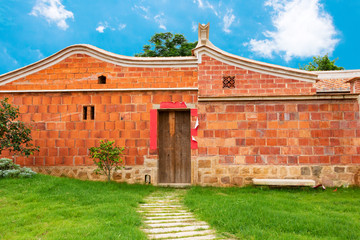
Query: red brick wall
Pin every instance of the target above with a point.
(248, 83)
(64, 137)
(297, 132)
(80, 71)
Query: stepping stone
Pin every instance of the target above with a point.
(166, 218)
(169, 214)
(182, 234)
(174, 224)
(198, 238)
(176, 229)
(187, 220)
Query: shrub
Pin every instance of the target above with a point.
(15, 136)
(8, 169)
(106, 157)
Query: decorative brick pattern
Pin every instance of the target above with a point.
(248, 83)
(229, 82)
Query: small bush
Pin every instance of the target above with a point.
(107, 158)
(8, 169)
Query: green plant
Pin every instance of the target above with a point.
(15, 136)
(8, 169)
(321, 64)
(106, 157)
(167, 45)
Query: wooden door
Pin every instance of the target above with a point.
(174, 147)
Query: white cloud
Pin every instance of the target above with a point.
(36, 53)
(200, 3)
(142, 10)
(228, 19)
(121, 26)
(303, 29)
(102, 26)
(206, 4)
(159, 19)
(148, 15)
(194, 26)
(53, 11)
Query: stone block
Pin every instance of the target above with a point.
(237, 181)
(220, 170)
(82, 175)
(283, 171)
(305, 171)
(339, 169)
(204, 164)
(256, 170)
(245, 170)
(210, 179)
(351, 169)
(225, 180)
(316, 170)
(117, 176)
(233, 170)
(294, 171)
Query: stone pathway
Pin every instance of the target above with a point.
(165, 217)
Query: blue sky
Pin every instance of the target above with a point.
(284, 32)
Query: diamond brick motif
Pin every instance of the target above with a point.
(228, 81)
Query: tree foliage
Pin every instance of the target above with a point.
(167, 45)
(321, 64)
(106, 157)
(15, 136)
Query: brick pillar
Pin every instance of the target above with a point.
(354, 85)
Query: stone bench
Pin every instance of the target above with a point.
(284, 182)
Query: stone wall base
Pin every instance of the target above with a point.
(211, 173)
(208, 173)
(133, 174)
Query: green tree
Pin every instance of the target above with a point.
(321, 64)
(106, 157)
(15, 136)
(167, 45)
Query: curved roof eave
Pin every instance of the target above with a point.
(254, 65)
(156, 62)
(338, 74)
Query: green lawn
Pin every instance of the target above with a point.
(255, 213)
(46, 207)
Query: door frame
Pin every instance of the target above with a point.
(193, 128)
(187, 110)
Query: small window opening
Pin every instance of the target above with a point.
(228, 81)
(92, 112)
(85, 112)
(88, 112)
(102, 79)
